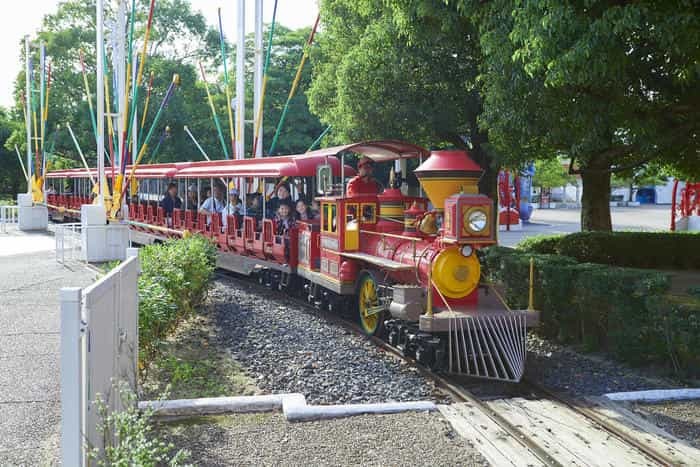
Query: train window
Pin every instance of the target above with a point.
(350, 212)
(329, 217)
(369, 213)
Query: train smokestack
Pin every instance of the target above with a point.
(446, 173)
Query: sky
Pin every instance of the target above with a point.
(16, 22)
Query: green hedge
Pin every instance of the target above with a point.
(624, 311)
(649, 250)
(174, 281)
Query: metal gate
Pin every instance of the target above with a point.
(99, 351)
(68, 241)
(8, 215)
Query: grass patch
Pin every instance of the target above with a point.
(191, 364)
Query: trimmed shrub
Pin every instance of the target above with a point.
(648, 250)
(543, 244)
(624, 311)
(174, 281)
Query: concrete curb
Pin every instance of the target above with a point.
(655, 395)
(292, 405)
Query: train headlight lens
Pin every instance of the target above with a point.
(477, 220)
(466, 250)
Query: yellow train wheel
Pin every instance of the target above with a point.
(367, 301)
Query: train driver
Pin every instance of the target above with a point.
(364, 183)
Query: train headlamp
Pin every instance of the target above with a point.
(466, 250)
(477, 220)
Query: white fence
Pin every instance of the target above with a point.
(8, 215)
(99, 349)
(68, 241)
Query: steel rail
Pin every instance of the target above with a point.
(590, 414)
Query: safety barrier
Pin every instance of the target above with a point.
(99, 352)
(68, 241)
(8, 215)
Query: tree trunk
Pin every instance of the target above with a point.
(595, 200)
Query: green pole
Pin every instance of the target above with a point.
(320, 137)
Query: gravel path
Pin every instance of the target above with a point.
(409, 439)
(558, 367)
(680, 418)
(288, 348)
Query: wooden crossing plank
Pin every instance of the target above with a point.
(646, 432)
(569, 437)
(492, 441)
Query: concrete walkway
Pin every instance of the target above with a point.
(30, 280)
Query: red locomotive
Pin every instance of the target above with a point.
(405, 265)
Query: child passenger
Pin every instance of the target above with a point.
(284, 220)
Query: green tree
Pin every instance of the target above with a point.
(11, 176)
(612, 85)
(382, 70)
(549, 173)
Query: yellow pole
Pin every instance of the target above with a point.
(429, 302)
(531, 298)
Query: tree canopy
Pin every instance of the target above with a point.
(180, 38)
(610, 85)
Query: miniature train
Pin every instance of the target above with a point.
(405, 265)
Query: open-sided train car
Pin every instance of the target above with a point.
(407, 266)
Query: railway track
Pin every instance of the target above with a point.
(463, 390)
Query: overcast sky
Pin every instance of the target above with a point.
(25, 18)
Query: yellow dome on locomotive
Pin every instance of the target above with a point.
(454, 274)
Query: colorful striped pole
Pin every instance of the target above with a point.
(125, 110)
(80, 152)
(213, 112)
(295, 84)
(259, 115)
(21, 164)
(196, 143)
(139, 75)
(228, 88)
(148, 99)
(163, 137)
(320, 137)
(88, 95)
(163, 105)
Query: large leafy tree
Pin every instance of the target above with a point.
(379, 74)
(612, 85)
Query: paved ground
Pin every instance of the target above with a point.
(554, 221)
(30, 280)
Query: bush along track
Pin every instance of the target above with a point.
(624, 311)
(648, 250)
(174, 281)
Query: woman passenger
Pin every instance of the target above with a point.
(303, 213)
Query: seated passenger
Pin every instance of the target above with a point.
(282, 196)
(233, 208)
(253, 208)
(170, 202)
(191, 201)
(284, 220)
(303, 213)
(364, 183)
(213, 204)
(315, 209)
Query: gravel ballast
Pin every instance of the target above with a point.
(681, 419)
(267, 439)
(286, 347)
(560, 368)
